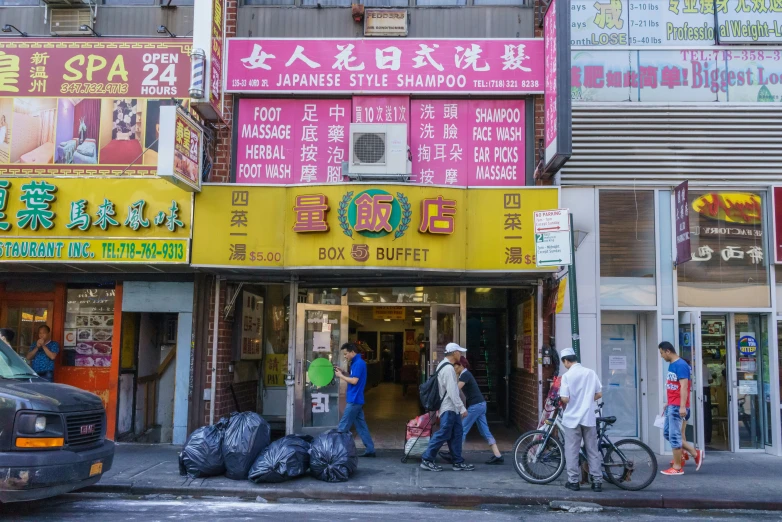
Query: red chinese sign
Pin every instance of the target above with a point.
(216, 59)
(286, 142)
(187, 149)
(488, 66)
(96, 68)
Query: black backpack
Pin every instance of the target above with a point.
(430, 391)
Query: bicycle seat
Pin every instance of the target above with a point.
(607, 420)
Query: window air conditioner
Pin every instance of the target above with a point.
(66, 22)
(379, 151)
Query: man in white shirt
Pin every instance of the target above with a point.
(579, 390)
(451, 413)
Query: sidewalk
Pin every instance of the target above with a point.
(726, 481)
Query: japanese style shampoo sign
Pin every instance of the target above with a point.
(86, 107)
(93, 220)
(487, 66)
(368, 226)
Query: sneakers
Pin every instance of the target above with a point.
(673, 471)
(463, 467)
(685, 458)
(446, 456)
(368, 455)
(573, 486)
(699, 459)
(430, 466)
(597, 487)
(496, 461)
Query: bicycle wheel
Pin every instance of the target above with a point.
(631, 466)
(536, 462)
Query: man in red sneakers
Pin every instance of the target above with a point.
(677, 386)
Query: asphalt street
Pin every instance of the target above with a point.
(166, 508)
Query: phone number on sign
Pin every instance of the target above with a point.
(144, 251)
(94, 88)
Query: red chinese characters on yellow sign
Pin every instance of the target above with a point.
(373, 213)
(310, 212)
(437, 215)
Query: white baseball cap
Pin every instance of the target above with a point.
(566, 351)
(453, 347)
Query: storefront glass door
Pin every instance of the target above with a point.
(750, 380)
(714, 382)
(320, 396)
(692, 346)
(24, 318)
(443, 329)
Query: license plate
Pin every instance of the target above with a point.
(96, 469)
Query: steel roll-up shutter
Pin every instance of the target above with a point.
(650, 144)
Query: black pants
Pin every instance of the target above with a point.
(707, 414)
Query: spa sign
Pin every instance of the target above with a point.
(95, 220)
(86, 107)
(360, 226)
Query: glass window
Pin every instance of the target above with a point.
(269, 2)
(405, 294)
(729, 265)
(751, 349)
(275, 359)
(627, 254)
(620, 377)
(89, 327)
(440, 2)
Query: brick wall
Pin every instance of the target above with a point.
(524, 400)
(224, 403)
(247, 395)
(221, 167)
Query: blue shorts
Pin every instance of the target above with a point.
(673, 426)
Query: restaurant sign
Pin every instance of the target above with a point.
(355, 226)
(93, 220)
(383, 65)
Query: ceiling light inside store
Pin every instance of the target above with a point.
(417, 311)
(387, 320)
(482, 290)
(417, 319)
(419, 288)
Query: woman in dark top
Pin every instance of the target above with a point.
(476, 410)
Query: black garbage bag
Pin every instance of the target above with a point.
(283, 459)
(202, 455)
(245, 438)
(333, 456)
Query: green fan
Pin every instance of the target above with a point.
(321, 372)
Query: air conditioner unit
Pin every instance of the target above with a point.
(379, 151)
(66, 22)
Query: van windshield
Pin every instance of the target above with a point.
(12, 366)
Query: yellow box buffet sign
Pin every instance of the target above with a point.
(363, 226)
(93, 220)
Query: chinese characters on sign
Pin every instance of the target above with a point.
(468, 143)
(381, 109)
(252, 326)
(292, 141)
(216, 58)
(550, 57)
(512, 230)
(688, 75)
(736, 235)
(180, 148)
(682, 221)
(57, 220)
(86, 108)
(674, 22)
(385, 65)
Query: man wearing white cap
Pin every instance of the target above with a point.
(451, 413)
(579, 390)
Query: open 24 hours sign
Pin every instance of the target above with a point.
(44, 220)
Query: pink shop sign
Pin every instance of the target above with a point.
(292, 142)
(447, 66)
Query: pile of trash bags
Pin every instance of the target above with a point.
(239, 446)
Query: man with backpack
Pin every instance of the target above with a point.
(450, 410)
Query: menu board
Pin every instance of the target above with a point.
(89, 327)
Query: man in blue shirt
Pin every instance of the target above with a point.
(354, 410)
(42, 353)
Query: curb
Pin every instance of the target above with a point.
(438, 496)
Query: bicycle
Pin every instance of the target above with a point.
(539, 456)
